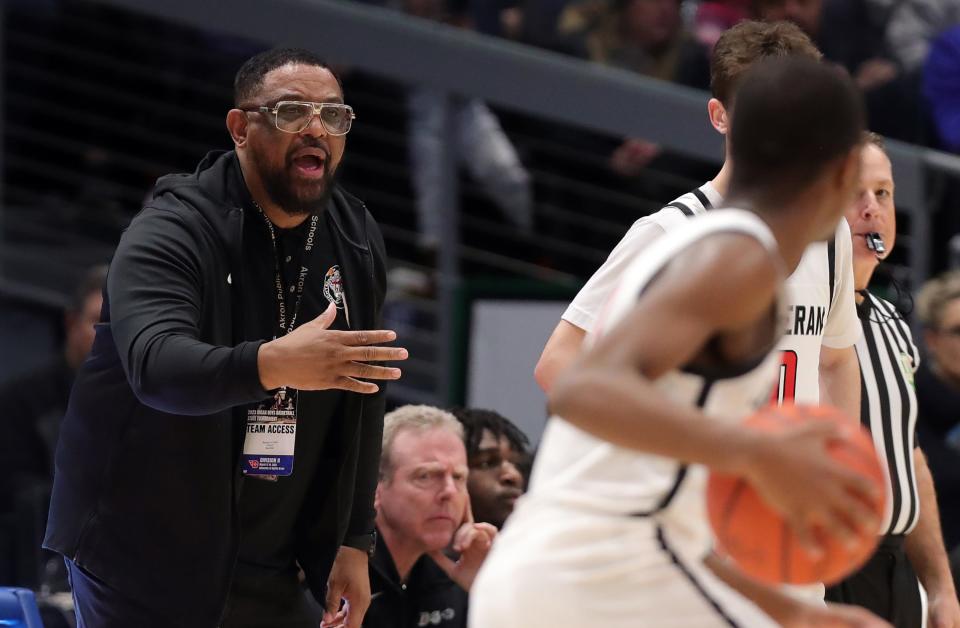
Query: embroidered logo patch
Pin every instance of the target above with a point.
(333, 287)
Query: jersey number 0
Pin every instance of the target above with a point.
(786, 388)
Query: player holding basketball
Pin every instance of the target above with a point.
(819, 362)
(614, 526)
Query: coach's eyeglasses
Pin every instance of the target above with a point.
(292, 116)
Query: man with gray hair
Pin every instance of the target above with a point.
(423, 509)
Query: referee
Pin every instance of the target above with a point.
(912, 545)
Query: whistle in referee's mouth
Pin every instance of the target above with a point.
(875, 243)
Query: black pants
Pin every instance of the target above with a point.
(886, 586)
(97, 605)
(267, 602)
(269, 598)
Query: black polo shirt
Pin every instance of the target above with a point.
(428, 597)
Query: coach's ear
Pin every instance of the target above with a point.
(237, 124)
(718, 116)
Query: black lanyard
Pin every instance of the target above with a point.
(308, 246)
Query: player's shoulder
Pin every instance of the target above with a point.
(734, 221)
(675, 213)
(751, 267)
(820, 257)
(695, 202)
(842, 237)
(842, 230)
(737, 241)
(682, 268)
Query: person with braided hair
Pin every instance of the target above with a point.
(499, 460)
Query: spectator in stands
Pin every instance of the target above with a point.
(713, 17)
(941, 87)
(469, 130)
(499, 461)
(422, 509)
(500, 18)
(643, 36)
(941, 91)
(843, 30)
(912, 25)
(539, 20)
(938, 395)
(882, 43)
(33, 406)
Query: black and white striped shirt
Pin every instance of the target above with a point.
(888, 405)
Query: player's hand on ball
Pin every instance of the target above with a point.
(943, 610)
(808, 615)
(315, 357)
(794, 473)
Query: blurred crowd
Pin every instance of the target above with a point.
(904, 55)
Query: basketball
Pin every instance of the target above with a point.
(760, 541)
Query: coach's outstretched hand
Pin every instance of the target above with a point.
(793, 472)
(315, 357)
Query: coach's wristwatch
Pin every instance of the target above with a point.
(363, 542)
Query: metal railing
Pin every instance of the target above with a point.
(518, 77)
(397, 50)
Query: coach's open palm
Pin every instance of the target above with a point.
(315, 357)
(793, 472)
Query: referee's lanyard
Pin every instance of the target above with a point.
(272, 425)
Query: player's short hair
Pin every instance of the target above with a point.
(476, 420)
(91, 283)
(748, 42)
(250, 76)
(413, 418)
(794, 116)
(935, 296)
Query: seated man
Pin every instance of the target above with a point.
(499, 461)
(423, 508)
(33, 405)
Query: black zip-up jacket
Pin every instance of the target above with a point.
(147, 479)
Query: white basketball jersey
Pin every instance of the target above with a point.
(576, 470)
(821, 312)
